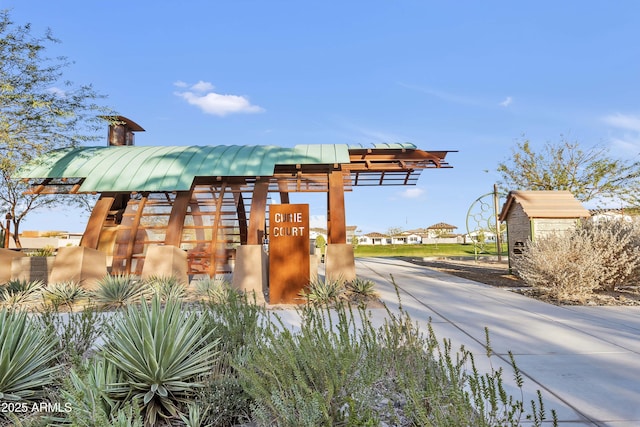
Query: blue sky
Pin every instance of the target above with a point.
(467, 75)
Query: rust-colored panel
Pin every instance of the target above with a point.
(337, 232)
(288, 252)
(91, 236)
(258, 211)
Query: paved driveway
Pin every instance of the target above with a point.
(585, 360)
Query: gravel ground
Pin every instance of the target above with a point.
(497, 274)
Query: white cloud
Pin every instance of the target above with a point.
(628, 144)
(180, 83)
(202, 86)
(625, 135)
(202, 96)
(623, 121)
(412, 193)
(508, 100)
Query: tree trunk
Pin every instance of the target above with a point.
(16, 234)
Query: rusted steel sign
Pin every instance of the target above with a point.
(288, 252)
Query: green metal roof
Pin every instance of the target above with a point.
(395, 145)
(172, 168)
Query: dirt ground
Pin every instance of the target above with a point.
(497, 274)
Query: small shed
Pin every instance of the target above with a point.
(534, 214)
(441, 229)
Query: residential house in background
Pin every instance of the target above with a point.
(437, 233)
(373, 239)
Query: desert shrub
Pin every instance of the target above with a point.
(119, 290)
(238, 323)
(214, 290)
(307, 378)
(570, 266)
(77, 332)
(338, 369)
(223, 398)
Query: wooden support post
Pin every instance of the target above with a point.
(337, 230)
(176, 218)
(91, 236)
(339, 261)
(258, 212)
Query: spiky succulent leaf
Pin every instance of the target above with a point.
(18, 292)
(26, 355)
(162, 352)
(120, 290)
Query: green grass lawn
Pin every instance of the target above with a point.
(447, 249)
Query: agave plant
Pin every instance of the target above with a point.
(26, 355)
(167, 287)
(64, 293)
(20, 293)
(162, 353)
(119, 290)
(361, 289)
(324, 291)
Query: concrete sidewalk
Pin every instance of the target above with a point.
(584, 360)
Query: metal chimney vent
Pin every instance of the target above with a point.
(121, 130)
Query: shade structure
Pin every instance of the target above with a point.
(208, 200)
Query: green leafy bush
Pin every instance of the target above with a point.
(162, 353)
